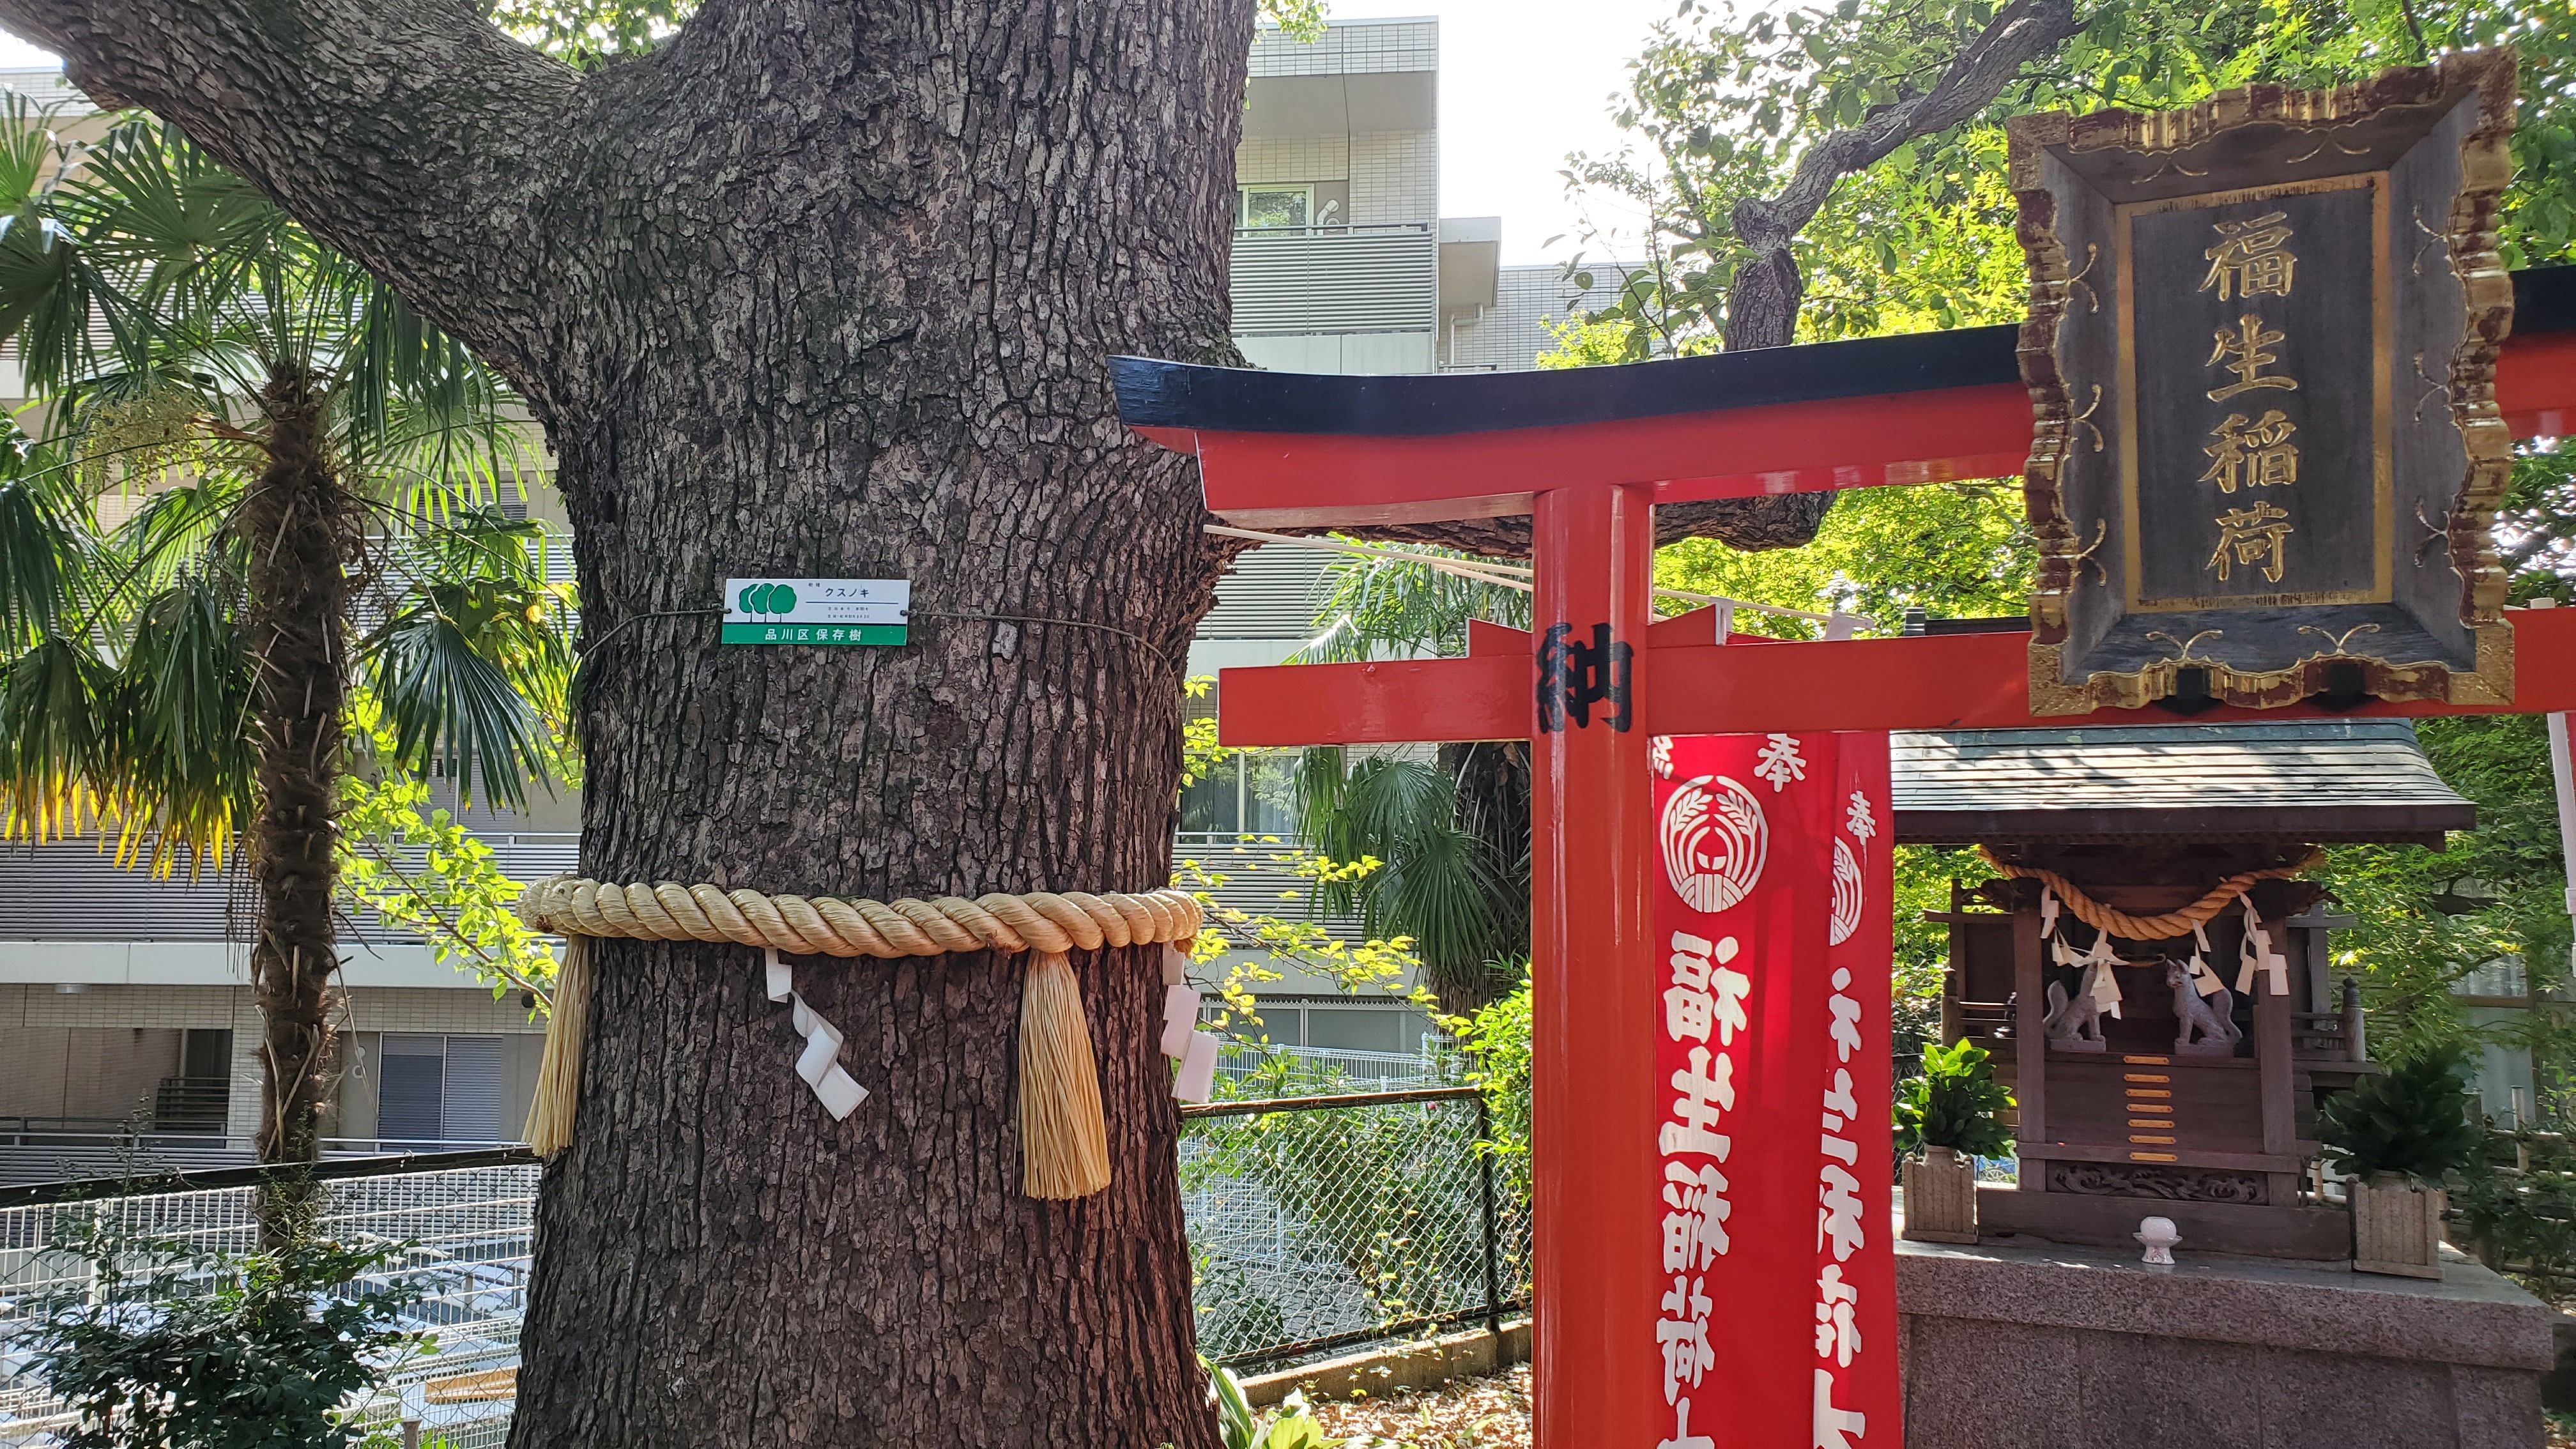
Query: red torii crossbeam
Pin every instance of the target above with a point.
(1588, 454)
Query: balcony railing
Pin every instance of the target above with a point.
(72, 891)
(191, 1104)
(1336, 279)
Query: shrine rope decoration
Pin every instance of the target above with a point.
(2157, 927)
(1064, 1140)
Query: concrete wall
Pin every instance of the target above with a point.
(106, 1072)
(2012, 1348)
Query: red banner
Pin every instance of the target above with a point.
(1743, 905)
(1858, 1396)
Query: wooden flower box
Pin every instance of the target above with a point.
(2396, 1227)
(1940, 1196)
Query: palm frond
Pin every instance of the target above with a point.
(178, 735)
(53, 760)
(449, 669)
(1376, 607)
(43, 555)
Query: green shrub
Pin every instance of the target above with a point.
(1242, 1428)
(173, 1347)
(2412, 1121)
(1954, 1104)
(2524, 1222)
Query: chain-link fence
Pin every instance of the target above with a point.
(1321, 1221)
(1314, 1222)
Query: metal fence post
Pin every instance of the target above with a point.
(1485, 1182)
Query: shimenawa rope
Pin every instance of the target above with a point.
(2150, 928)
(1064, 1139)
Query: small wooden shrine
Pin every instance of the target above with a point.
(2170, 1065)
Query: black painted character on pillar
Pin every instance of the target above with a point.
(1573, 676)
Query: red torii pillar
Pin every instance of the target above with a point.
(1588, 454)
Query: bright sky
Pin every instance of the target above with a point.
(1522, 82)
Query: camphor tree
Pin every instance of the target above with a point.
(814, 288)
(241, 437)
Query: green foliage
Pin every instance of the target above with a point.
(2427, 919)
(1922, 957)
(1497, 1040)
(1953, 549)
(171, 1347)
(1376, 607)
(2523, 1219)
(167, 296)
(416, 868)
(1955, 1103)
(1240, 1426)
(1245, 941)
(1200, 753)
(2413, 1121)
(1726, 99)
(1439, 885)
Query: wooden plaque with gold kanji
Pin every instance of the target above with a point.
(2261, 353)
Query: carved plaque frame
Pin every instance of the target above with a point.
(2390, 188)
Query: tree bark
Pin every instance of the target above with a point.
(297, 524)
(817, 289)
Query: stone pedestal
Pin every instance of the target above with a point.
(2040, 1346)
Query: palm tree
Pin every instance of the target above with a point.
(1452, 835)
(242, 449)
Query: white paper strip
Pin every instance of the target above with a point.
(2047, 911)
(1197, 1080)
(2255, 953)
(1176, 965)
(2105, 988)
(1180, 1019)
(819, 1064)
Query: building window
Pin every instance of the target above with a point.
(1266, 206)
(440, 1089)
(1250, 792)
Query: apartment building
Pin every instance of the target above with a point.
(124, 999)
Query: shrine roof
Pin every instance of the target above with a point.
(1154, 394)
(2315, 780)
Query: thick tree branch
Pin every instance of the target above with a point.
(1751, 524)
(410, 134)
(1762, 305)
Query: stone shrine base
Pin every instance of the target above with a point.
(2022, 1344)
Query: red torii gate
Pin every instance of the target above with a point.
(1588, 454)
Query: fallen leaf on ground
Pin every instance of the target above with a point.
(1488, 1413)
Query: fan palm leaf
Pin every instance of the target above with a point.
(53, 732)
(178, 737)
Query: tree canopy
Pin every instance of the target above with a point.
(1726, 98)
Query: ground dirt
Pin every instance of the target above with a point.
(1487, 1413)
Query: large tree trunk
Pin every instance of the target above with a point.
(817, 289)
(297, 525)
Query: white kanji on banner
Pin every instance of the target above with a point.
(1683, 1438)
(1715, 841)
(1780, 762)
(1695, 1228)
(1858, 820)
(1682, 1334)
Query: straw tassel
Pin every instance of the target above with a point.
(559, 1075)
(1064, 1142)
